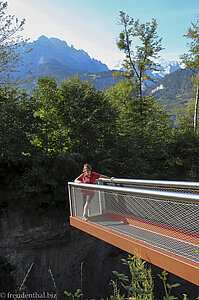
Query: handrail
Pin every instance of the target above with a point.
(163, 183)
(173, 196)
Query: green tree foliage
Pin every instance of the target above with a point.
(11, 44)
(140, 58)
(145, 142)
(46, 137)
(88, 118)
(30, 175)
(182, 155)
(191, 61)
(184, 118)
(16, 125)
(49, 135)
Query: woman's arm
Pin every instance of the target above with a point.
(79, 179)
(106, 177)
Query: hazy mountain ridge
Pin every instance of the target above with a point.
(53, 48)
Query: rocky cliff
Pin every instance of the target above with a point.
(47, 241)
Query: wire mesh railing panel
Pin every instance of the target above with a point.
(182, 215)
(80, 197)
(179, 216)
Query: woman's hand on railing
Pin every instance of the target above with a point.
(77, 181)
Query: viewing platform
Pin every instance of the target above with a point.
(156, 220)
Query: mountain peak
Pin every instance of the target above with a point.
(42, 38)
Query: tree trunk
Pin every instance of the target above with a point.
(195, 121)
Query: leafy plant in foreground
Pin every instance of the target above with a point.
(140, 286)
(78, 294)
(168, 287)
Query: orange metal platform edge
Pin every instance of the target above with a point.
(182, 267)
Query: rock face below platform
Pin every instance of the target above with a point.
(45, 240)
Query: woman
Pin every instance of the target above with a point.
(88, 177)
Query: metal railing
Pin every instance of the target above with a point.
(147, 193)
(161, 185)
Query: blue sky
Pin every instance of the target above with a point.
(91, 25)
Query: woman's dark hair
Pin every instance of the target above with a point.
(87, 166)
